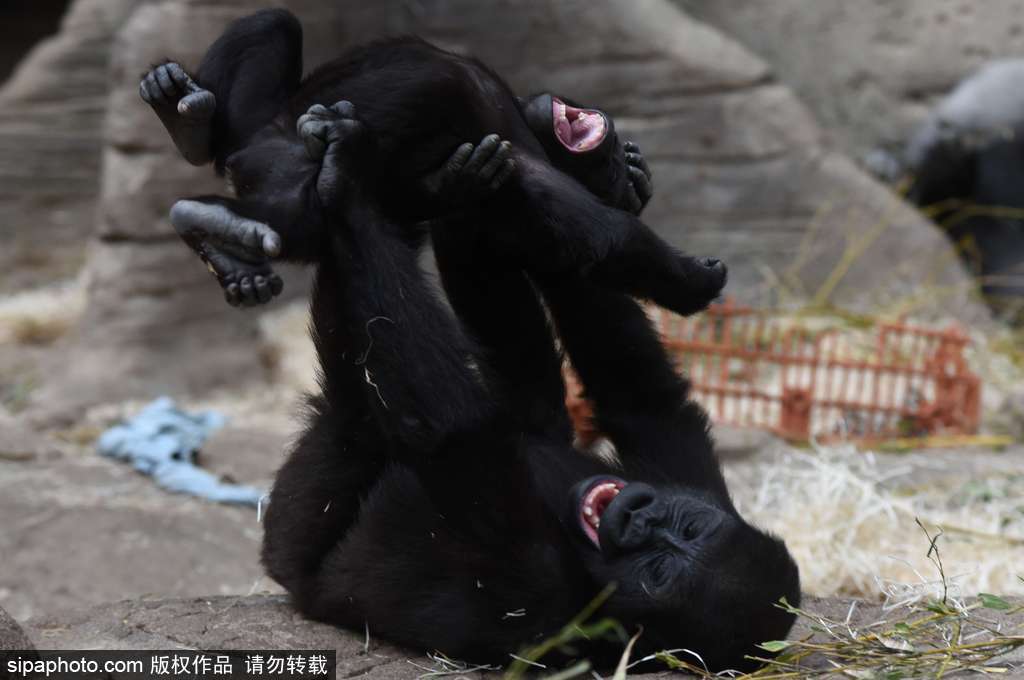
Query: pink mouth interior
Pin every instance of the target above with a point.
(578, 130)
(595, 502)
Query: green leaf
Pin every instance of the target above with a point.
(989, 601)
(774, 645)
(902, 628)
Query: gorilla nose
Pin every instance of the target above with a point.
(627, 522)
(712, 263)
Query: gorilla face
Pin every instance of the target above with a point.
(690, 572)
(580, 142)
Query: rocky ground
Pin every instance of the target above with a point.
(82, 532)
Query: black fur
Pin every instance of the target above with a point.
(974, 189)
(420, 102)
(435, 494)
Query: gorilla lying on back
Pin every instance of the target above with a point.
(435, 495)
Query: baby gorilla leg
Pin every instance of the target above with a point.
(236, 250)
(185, 109)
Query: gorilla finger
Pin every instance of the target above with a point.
(506, 171)
(459, 158)
(262, 287)
(496, 161)
(313, 133)
(276, 284)
(200, 104)
(156, 95)
(144, 93)
(488, 145)
(338, 130)
(247, 291)
(640, 181)
(231, 294)
(270, 239)
(166, 83)
(317, 111)
(631, 146)
(638, 161)
(344, 108)
(178, 75)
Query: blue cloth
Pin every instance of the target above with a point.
(162, 442)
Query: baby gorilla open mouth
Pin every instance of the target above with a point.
(579, 130)
(595, 501)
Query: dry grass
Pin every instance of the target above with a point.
(846, 518)
(40, 316)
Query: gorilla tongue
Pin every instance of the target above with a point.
(578, 130)
(595, 502)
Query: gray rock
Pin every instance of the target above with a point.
(51, 121)
(870, 71)
(80, 530)
(268, 622)
(12, 637)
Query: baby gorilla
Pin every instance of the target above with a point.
(419, 103)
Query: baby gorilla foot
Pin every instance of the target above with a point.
(709, 277)
(335, 136)
(183, 107)
(236, 250)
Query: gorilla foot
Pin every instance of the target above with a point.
(335, 136)
(183, 107)
(236, 250)
(320, 127)
(708, 276)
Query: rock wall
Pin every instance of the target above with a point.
(739, 167)
(870, 71)
(51, 119)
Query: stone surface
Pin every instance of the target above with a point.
(51, 121)
(268, 622)
(80, 529)
(12, 636)
(870, 71)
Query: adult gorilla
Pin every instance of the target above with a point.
(435, 496)
(967, 162)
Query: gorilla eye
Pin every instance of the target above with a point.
(658, 570)
(691, 531)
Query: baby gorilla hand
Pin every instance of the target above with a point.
(336, 137)
(640, 187)
(235, 249)
(471, 174)
(183, 107)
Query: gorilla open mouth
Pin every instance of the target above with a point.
(579, 130)
(593, 504)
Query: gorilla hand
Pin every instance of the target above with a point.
(185, 109)
(235, 249)
(640, 186)
(471, 174)
(335, 136)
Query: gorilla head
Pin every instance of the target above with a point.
(681, 561)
